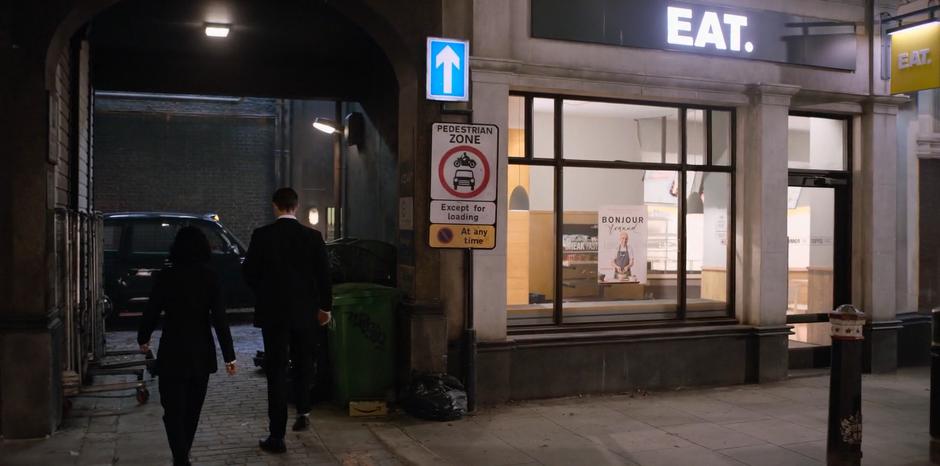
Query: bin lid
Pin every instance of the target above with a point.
(346, 291)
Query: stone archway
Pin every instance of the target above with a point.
(30, 324)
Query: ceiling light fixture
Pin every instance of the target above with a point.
(326, 125)
(217, 29)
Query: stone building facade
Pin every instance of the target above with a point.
(768, 171)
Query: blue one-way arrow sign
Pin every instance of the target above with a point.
(448, 65)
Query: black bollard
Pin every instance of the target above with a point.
(935, 388)
(844, 440)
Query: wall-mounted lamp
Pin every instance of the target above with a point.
(313, 216)
(217, 29)
(326, 125)
(353, 129)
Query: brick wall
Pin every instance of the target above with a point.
(60, 119)
(186, 156)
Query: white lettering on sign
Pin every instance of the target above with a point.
(737, 22)
(914, 58)
(677, 26)
(709, 33)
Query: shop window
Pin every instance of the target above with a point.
(620, 132)
(645, 218)
(543, 128)
(629, 219)
(816, 143)
(720, 124)
(696, 136)
(707, 219)
(530, 261)
(531, 123)
(516, 126)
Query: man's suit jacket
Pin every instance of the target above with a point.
(191, 299)
(287, 267)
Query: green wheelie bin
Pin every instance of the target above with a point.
(362, 341)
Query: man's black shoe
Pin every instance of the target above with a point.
(272, 445)
(302, 423)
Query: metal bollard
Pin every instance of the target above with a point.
(935, 378)
(844, 440)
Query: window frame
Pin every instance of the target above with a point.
(845, 172)
(682, 167)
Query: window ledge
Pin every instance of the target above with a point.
(565, 336)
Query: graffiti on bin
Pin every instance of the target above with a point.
(372, 331)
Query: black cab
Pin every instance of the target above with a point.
(137, 244)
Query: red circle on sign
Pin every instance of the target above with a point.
(486, 172)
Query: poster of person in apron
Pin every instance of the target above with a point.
(622, 238)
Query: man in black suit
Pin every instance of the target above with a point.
(287, 268)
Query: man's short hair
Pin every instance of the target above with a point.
(285, 199)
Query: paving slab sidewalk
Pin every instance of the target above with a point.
(771, 424)
(762, 425)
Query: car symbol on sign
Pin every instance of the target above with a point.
(464, 178)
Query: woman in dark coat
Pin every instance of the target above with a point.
(188, 294)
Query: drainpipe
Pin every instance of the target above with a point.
(870, 28)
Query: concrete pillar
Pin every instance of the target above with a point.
(762, 226)
(491, 105)
(875, 235)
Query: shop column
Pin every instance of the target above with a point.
(491, 105)
(762, 227)
(875, 251)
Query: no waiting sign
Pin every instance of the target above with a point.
(464, 164)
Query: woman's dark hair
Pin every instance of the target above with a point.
(190, 247)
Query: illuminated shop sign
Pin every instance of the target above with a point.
(701, 29)
(710, 30)
(913, 67)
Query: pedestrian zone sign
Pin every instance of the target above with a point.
(448, 65)
(464, 163)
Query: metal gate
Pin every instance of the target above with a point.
(83, 300)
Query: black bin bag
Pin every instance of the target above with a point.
(436, 397)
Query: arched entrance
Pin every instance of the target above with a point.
(362, 51)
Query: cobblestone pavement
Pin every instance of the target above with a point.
(771, 424)
(118, 431)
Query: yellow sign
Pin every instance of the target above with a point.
(463, 236)
(913, 64)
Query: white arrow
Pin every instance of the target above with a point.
(449, 59)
